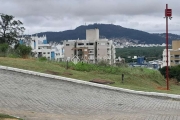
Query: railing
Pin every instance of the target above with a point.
(177, 62)
(177, 57)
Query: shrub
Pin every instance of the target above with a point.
(42, 59)
(24, 51)
(103, 63)
(4, 48)
(163, 71)
(174, 72)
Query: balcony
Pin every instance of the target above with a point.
(91, 52)
(177, 63)
(176, 57)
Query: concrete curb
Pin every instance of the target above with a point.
(154, 94)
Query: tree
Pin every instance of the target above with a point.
(10, 29)
(27, 40)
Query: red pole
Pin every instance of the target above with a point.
(167, 72)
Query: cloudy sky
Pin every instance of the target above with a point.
(59, 15)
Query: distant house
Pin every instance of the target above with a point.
(41, 48)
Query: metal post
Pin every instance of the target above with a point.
(67, 64)
(167, 72)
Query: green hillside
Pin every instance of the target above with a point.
(109, 31)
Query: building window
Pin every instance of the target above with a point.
(44, 53)
(80, 43)
(48, 52)
(91, 43)
(67, 44)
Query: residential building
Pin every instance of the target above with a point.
(92, 49)
(173, 54)
(40, 48)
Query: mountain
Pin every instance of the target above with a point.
(109, 31)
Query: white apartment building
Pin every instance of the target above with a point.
(164, 63)
(173, 54)
(92, 49)
(41, 48)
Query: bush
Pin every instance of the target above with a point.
(174, 72)
(103, 63)
(42, 59)
(4, 48)
(92, 67)
(163, 71)
(24, 51)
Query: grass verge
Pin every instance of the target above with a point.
(7, 117)
(134, 78)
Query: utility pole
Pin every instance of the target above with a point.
(168, 14)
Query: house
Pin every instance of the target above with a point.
(92, 49)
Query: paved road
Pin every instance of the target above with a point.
(39, 98)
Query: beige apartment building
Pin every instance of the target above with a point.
(173, 54)
(92, 49)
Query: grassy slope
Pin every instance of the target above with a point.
(135, 78)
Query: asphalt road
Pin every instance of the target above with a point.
(39, 98)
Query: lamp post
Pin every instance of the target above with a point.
(168, 14)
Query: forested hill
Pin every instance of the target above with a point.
(109, 31)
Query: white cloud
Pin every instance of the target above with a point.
(58, 15)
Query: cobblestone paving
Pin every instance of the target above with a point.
(39, 98)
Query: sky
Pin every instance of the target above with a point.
(59, 15)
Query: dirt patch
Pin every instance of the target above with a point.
(161, 88)
(174, 82)
(52, 72)
(171, 82)
(101, 81)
